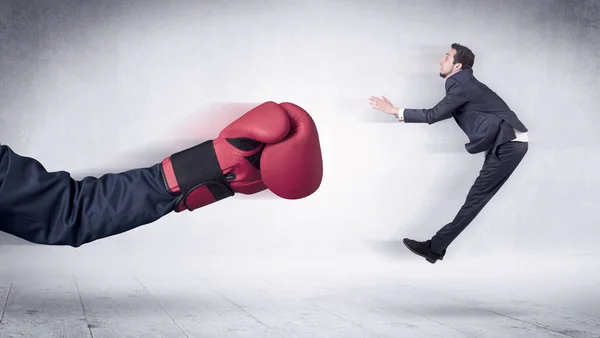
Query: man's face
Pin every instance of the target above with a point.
(447, 68)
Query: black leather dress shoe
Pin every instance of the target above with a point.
(422, 249)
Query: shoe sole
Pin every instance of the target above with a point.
(430, 260)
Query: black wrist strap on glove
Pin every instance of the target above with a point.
(198, 168)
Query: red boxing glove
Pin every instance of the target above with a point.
(273, 146)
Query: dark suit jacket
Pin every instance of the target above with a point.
(480, 113)
(52, 208)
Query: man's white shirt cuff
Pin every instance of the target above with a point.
(401, 115)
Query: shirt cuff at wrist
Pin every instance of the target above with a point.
(400, 115)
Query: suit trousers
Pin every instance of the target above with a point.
(498, 166)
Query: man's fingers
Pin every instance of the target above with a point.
(382, 100)
(376, 106)
(380, 104)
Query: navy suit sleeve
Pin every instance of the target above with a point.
(53, 208)
(455, 97)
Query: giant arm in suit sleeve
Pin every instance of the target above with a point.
(53, 208)
(455, 97)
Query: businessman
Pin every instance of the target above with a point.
(490, 125)
(273, 146)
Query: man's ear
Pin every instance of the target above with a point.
(458, 66)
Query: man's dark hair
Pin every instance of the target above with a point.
(463, 55)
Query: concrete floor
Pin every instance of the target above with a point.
(540, 296)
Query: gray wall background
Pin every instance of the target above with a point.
(104, 86)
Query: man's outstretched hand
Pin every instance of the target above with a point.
(384, 105)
